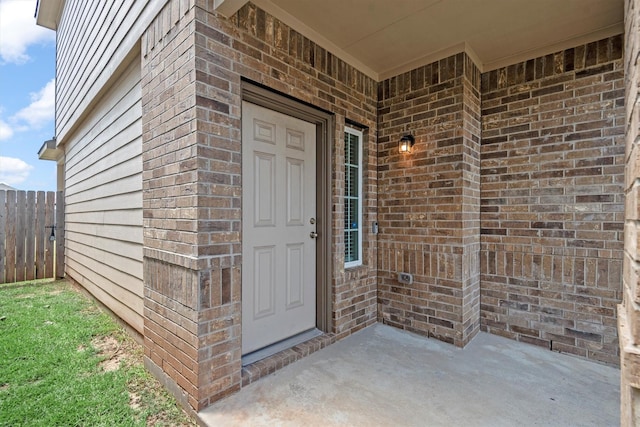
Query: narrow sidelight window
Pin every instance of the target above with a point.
(352, 197)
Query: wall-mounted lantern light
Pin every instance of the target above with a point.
(406, 144)
(52, 237)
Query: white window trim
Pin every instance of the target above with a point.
(359, 134)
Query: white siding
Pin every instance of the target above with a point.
(103, 195)
(98, 124)
(93, 41)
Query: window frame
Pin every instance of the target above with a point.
(360, 229)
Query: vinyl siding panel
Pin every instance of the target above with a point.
(107, 299)
(103, 196)
(93, 41)
(107, 217)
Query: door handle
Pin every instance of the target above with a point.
(313, 234)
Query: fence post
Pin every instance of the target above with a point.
(21, 227)
(60, 234)
(50, 218)
(30, 252)
(41, 234)
(10, 249)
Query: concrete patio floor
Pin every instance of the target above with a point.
(382, 376)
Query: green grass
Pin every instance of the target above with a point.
(51, 373)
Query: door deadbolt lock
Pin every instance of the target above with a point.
(312, 221)
(313, 234)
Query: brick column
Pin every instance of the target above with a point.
(192, 303)
(429, 200)
(629, 310)
(471, 136)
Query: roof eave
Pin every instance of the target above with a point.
(50, 150)
(48, 13)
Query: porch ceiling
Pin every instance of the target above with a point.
(387, 37)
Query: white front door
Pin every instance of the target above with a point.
(278, 219)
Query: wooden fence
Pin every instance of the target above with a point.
(31, 235)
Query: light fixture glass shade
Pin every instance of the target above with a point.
(406, 144)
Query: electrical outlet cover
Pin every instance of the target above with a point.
(405, 278)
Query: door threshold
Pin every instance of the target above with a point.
(263, 367)
(272, 349)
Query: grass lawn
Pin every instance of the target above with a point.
(63, 362)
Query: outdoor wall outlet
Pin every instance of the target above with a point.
(405, 278)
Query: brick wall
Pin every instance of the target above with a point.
(471, 134)
(547, 263)
(255, 46)
(629, 310)
(171, 280)
(552, 199)
(193, 63)
(428, 203)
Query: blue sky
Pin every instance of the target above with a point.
(27, 82)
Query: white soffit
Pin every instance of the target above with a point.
(384, 38)
(48, 13)
(50, 151)
(228, 7)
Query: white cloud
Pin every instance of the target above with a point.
(40, 111)
(5, 130)
(13, 171)
(18, 30)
